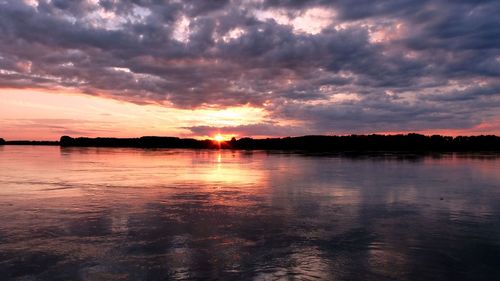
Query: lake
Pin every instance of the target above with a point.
(134, 214)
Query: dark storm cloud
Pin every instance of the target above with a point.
(410, 65)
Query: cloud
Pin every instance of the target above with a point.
(410, 64)
(260, 129)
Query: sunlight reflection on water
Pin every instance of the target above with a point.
(132, 214)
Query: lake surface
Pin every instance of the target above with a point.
(132, 214)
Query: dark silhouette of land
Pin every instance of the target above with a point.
(144, 142)
(27, 142)
(409, 142)
(351, 143)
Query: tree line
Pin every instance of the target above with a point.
(407, 142)
(374, 142)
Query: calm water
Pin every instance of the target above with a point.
(130, 214)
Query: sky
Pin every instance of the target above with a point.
(248, 68)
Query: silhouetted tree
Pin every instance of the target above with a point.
(2, 141)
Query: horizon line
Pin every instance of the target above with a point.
(250, 137)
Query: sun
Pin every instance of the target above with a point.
(218, 138)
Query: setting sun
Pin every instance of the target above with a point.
(218, 138)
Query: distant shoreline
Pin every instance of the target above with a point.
(23, 142)
(318, 143)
